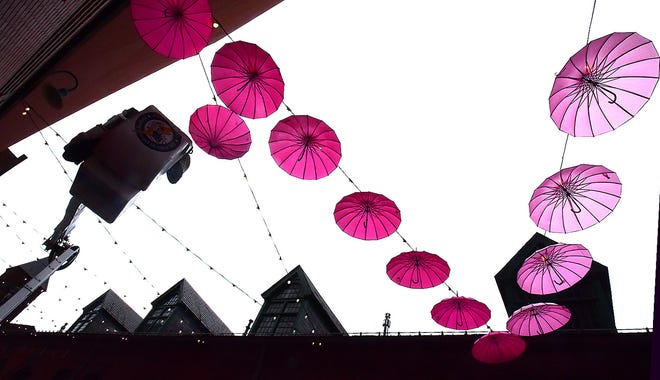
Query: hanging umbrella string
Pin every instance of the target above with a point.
(263, 218)
(208, 80)
(288, 109)
(591, 20)
(563, 153)
(586, 55)
(348, 178)
(222, 28)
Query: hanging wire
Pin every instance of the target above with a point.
(591, 20)
(197, 256)
(29, 113)
(208, 80)
(222, 28)
(263, 218)
(348, 178)
(37, 258)
(123, 251)
(254, 197)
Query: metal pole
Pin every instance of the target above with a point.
(22, 294)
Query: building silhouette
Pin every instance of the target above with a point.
(180, 310)
(293, 306)
(589, 300)
(106, 314)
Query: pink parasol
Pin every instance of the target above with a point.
(305, 147)
(498, 347)
(460, 313)
(368, 216)
(418, 269)
(538, 318)
(247, 79)
(554, 268)
(604, 84)
(575, 198)
(220, 132)
(174, 28)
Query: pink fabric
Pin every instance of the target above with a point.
(220, 132)
(305, 147)
(575, 198)
(368, 216)
(174, 28)
(538, 318)
(460, 313)
(498, 347)
(418, 270)
(604, 84)
(247, 80)
(553, 269)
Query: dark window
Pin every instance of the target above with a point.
(157, 318)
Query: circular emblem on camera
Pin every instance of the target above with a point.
(156, 133)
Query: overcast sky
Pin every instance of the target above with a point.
(441, 107)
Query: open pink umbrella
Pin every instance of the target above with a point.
(305, 147)
(575, 198)
(554, 268)
(418, 269)
(174, 28)
(220, 132)
(368, 216)
(498, 347)
(604, 84)
(460, 313)
(538, 318)
(247, 80)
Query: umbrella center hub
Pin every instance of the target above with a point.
(174, 12)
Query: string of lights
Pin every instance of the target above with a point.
(163, 229)
(75, 302)
(196, 255)
(245, 176)
(29, 111)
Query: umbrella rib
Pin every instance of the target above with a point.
(611, 63)
(624, 90)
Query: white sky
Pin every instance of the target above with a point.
(440, 106)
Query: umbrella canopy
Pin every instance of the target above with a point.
(554, 268)
(538, 318)
(460, 313)
(305, 147)
(368, 216)
(247, 79)
(604, 84)
(498, 347)
(220, 132)
(418, 269)
(575, 198)
(174, 28)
